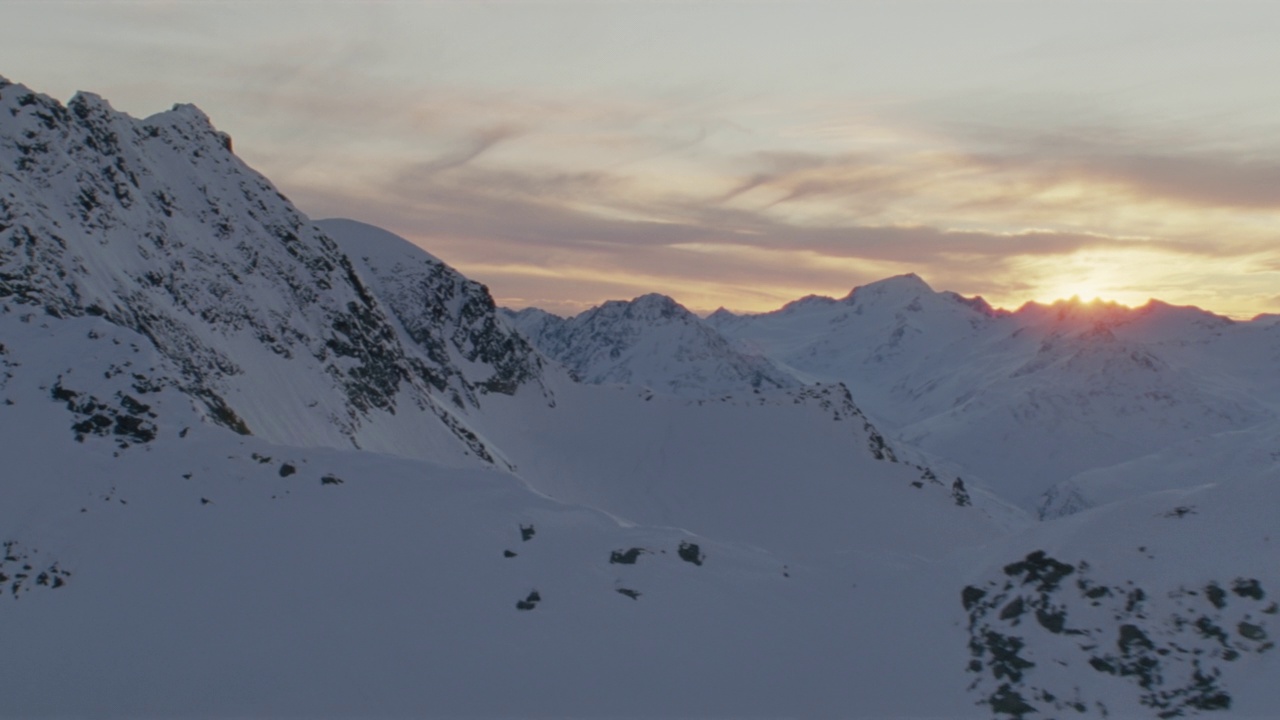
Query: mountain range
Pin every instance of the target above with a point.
(260, 465)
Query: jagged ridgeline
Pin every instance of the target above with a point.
(652, 341)
(154, 225)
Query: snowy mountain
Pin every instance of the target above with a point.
(651, 341)
(156, 226)
(874, 335)
(256, 465)
(1023, 401)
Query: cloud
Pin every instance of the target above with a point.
(1177, 166)
(587, 236)
(479, 143)
(1199, 179)
(779, 166)
(587, 216)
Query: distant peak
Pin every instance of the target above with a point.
(650, 307)
(910, 281)
(722, 313)
(909, 285)
(183, 112)
(1073, 303)
(189, 110)
(92, 110)
(89, 100)
(654, 299)
(808, 301)
(656, 305)
(1075, 310)
(977, 302)
(529, 312)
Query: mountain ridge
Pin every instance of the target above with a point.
(156, 226)
(651, 340)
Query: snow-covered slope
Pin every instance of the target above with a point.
(651, 341)
(177, 568)
(800, 472)
(1084, 399)
(197, 571)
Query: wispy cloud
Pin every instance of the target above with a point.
(479, 143)
(590, 233)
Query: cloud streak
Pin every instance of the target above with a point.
(478, 144)
(578, 234)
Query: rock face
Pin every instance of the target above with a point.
(453, 321)
(156, 226)
(651, 341)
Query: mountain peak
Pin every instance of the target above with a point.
(191, 112)
(157, 228)
(1074, 310)
(652, 341)
(655, 299)
(899, 286)
(362, 239)
(806, 302)
(84, 99)
(977, 302)
(654, 306)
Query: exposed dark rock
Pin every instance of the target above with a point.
(1051, 620)
(530, 601)
(625, 558)
(1013, 609)
(971, 595)
(1248, 588)
(690, 552)
(1251, 631)
(1037, 567)
(1216, 595)
(1007, 701)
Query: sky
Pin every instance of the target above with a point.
(737, 154)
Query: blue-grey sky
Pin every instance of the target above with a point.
(737, 153)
